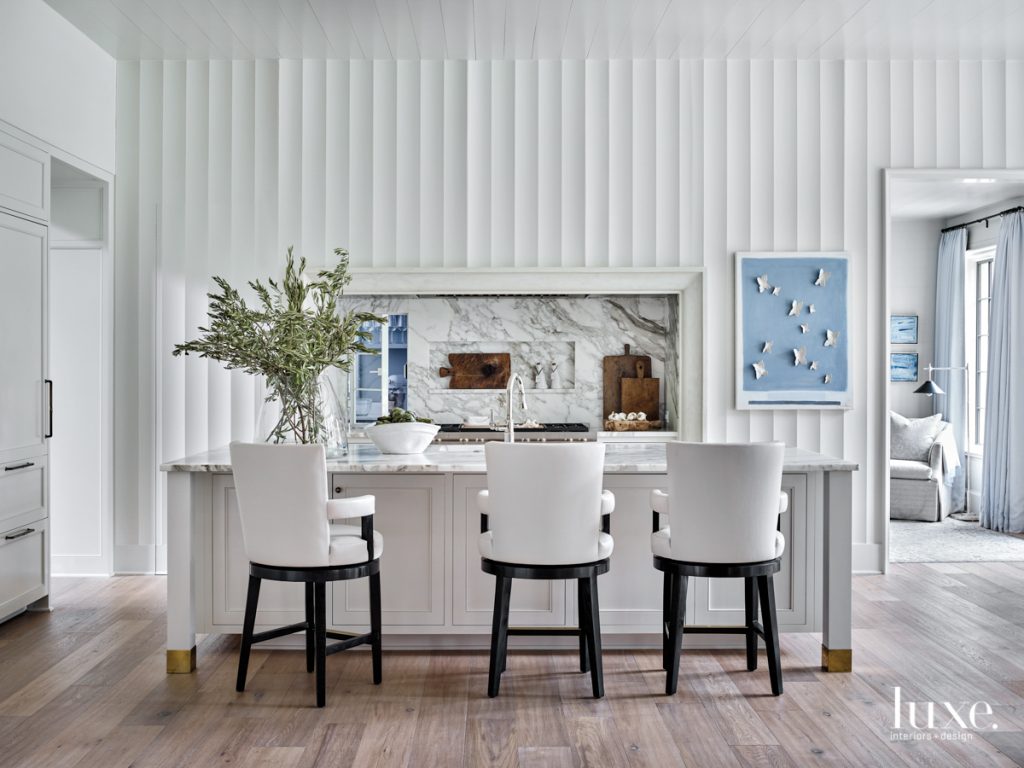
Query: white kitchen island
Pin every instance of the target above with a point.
(434, 594)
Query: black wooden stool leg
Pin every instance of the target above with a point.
(251, 600)
(750, 610)
(675, 631)
(666, 614)
(375, 632)
(310, 624)
(584, 655)
(320, 609)
(594, 637)
(499, 633)
(766, 587)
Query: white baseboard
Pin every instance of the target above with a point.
(78, 565)
(867, 558)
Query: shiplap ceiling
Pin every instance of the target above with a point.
(552, 29)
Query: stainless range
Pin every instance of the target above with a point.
(546, 433)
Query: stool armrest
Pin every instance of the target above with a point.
(367, 534)
(344, 509)
(483, 503)
(659, 506)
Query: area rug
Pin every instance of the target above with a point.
(951, 541)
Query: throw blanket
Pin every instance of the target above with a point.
(950, 455)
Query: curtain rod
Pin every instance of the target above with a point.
(984, 218)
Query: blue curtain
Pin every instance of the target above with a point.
(950, 349)
(1002, 492)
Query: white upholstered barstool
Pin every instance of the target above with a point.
(723, 506)
(544, 516)
(286, 528)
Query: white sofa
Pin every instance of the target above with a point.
(917, 489)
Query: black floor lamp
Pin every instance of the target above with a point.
(930, 388)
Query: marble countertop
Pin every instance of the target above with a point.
(622, 458)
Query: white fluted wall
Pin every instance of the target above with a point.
(221, 165)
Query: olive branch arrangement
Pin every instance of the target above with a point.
(292, 336)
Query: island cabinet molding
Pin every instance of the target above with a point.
(435, 594)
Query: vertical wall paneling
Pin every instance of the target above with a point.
(361, 182)
(313, 215)
(856, 179)
(455, 163)
(503, 156)
(478, 163)
(218, 240)
(643, 137)
(620, 157)
(993, 105)
(525, 163)
(242, 153)
(549, 163)
(596, 170)
(385, 85)
(336, 154)
(515, 163)
(573, 182)
(431, 163)
(947, 114)
(925, 136)
(970, 112)
(407, 165)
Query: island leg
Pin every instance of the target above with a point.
(837, 600)
(181, 577)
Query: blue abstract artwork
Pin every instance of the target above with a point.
(903, 329)
(793, 334)
(903, 366)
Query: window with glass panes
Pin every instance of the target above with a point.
(982, 303)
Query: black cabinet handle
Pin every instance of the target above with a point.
(23, 465)
(19, 534)
(49, 421)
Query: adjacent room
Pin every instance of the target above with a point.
(511, 383)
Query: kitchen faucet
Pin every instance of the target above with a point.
(510, 430)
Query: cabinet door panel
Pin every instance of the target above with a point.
(24, 178)
(720, 601)
(410, 515)
(630, 592)
(280, 602)
(536, 603)
(22, 312)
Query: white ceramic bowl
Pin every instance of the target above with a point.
(407, 437)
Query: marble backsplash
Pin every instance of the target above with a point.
(576, 332)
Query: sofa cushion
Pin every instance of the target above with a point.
(911, 439)
(901, 469)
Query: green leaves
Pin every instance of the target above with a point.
(402, 416)
(292, 336)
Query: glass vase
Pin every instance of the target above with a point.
(317, 416)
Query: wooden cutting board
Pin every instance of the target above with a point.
(641, 393)
(478, 370)
(616, 368)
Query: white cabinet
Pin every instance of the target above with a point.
(410, 515)
(720, 601)
(534, 603)
(23, 566)
(24, 178)
(22, 340)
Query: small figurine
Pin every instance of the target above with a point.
(555, 378)
(538, 376)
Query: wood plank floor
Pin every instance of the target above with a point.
(85, 686)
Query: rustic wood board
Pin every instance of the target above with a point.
(616, 368)
(641, 395)
(478, 370)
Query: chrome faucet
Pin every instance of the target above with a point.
(510, 430)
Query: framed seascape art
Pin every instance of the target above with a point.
(903, 329)
(903, 366)
(792, 330)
